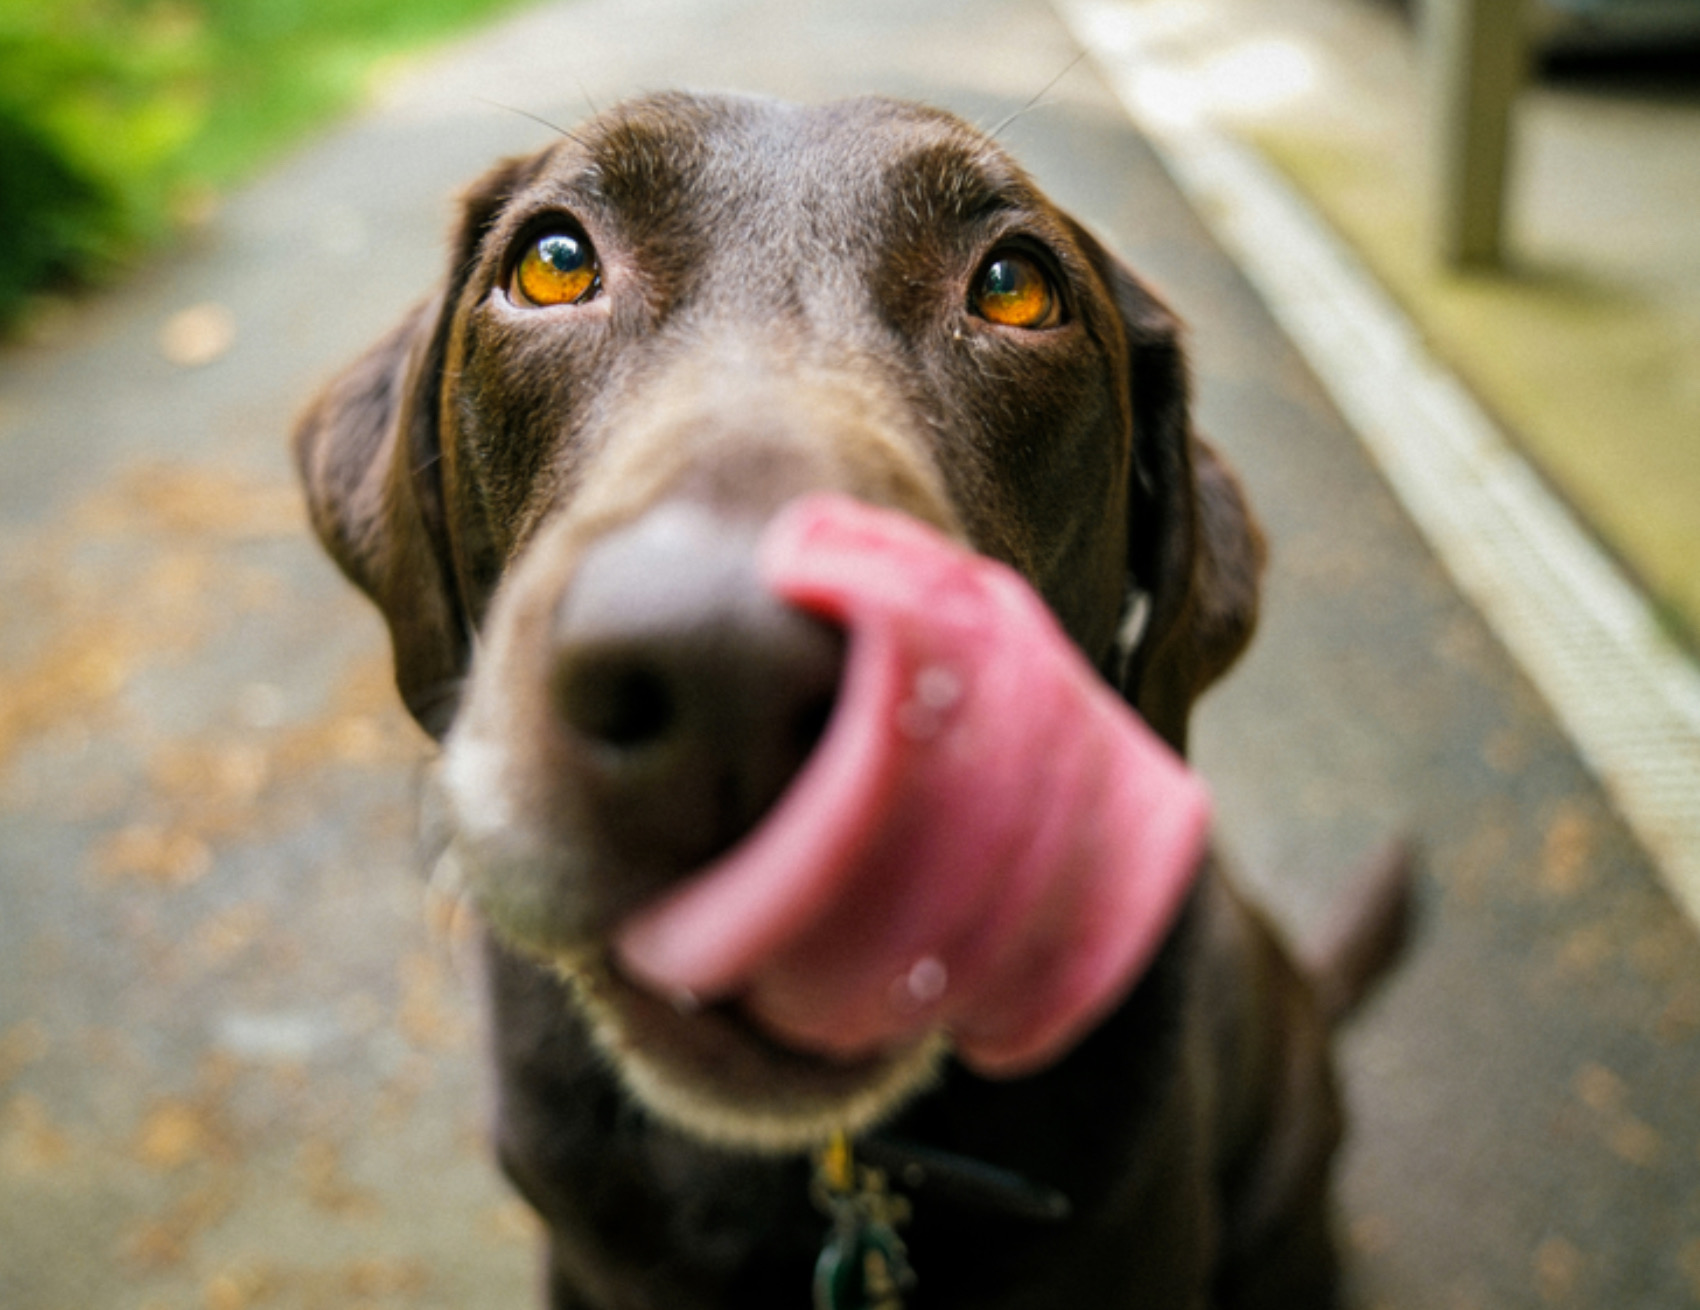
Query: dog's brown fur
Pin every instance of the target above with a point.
(785, 307)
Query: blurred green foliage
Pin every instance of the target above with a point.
(119, 117)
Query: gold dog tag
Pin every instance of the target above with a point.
(863, 1264)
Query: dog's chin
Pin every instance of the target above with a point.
(714, 1075)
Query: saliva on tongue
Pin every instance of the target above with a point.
(987, 840)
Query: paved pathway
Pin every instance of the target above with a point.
(236, 1068)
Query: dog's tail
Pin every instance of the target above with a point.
(1367, 934)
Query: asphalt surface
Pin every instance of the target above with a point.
(239, 1068)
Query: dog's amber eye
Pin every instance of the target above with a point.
(1014, 291)
(558, 269)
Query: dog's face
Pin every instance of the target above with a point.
(653, 335)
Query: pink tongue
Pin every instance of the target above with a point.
(987, 839)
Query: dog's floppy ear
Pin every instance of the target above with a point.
(1194, 549)
(369, 452)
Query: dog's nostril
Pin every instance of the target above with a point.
(809, 722)
(614, 702)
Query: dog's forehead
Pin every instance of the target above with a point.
(748, 155)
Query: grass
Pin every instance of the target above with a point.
(118, 118)
(1598, 384)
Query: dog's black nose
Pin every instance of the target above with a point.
(690, 694)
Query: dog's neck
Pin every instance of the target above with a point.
(864, 1264)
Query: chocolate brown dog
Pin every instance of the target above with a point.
(550, 477)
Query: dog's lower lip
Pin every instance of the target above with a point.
(730, 1013)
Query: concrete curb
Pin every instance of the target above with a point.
(1584, 635)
